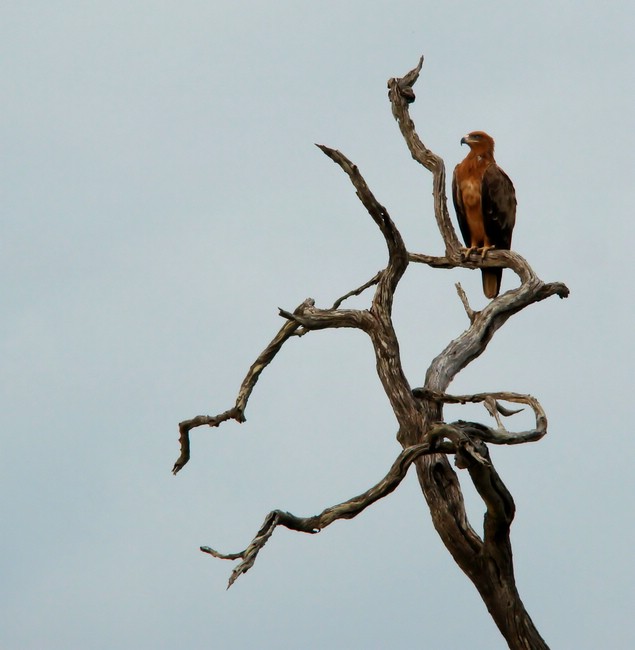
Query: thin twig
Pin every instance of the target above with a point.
(356, 292)
(471, 314)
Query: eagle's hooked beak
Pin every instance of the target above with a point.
(465, 139)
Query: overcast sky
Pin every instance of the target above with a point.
(162, 197)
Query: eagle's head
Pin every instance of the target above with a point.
(479, 142)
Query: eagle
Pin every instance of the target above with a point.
(485, 204)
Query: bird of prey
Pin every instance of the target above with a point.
(485, 203)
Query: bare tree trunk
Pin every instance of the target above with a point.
(424, 436)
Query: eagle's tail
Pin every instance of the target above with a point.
(491, 282)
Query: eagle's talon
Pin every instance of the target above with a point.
(483, 250)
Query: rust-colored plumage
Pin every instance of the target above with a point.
(485, 203)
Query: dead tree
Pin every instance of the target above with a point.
(426, 438)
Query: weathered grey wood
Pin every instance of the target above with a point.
(426, 439)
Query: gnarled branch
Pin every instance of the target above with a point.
(237, 412)
(491, 401)
(346, 510)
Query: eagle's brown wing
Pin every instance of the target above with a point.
(498, 200)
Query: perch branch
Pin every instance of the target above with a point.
(496, 258)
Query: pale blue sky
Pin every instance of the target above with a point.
(162, 197)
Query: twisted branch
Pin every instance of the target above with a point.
(314, 524)
(499, 436)
(237, 412)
